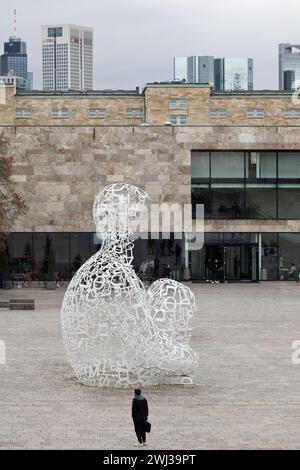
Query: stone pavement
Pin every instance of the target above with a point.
(246, 393)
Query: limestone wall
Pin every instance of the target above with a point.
(59, 169)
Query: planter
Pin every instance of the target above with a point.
(51, 285)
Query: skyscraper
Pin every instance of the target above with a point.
(233, 74)
(180, 68)
(222, 74)
(289, 66)
(13, 62)
(67, 57)
(194, 69)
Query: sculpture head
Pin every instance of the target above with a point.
(116, 207)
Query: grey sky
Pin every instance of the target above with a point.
(135, 40)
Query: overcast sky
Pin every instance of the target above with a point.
(135, 40)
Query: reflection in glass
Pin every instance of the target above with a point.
(200, 164)
(200, 195)
(288, 165)
(261, 202)
(80, 250)
(289, 201)
(269, 257)
(289, 256)
(227, 201)
(227, 165)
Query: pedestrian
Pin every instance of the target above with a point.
(215, 270)
(292, 272)
(140, 415)
(208, 270)
(168, 272)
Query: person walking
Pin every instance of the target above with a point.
(139, 415)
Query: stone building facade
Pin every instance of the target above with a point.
(61, 160)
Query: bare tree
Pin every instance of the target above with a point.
(11, 203)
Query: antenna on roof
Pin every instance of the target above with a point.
(15, 23)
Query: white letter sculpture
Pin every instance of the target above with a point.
(116, 333)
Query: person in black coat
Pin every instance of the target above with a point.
(139, 415)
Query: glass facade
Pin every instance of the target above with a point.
(14, 59)
(246, 185)
(30, 253)
(238, 256)
(289, 66)
(233, 74)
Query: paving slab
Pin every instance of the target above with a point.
(246, 392)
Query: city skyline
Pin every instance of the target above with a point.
(145, 38)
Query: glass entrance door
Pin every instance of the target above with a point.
(241, 263)
(236, 262)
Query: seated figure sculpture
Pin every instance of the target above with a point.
(117, 333)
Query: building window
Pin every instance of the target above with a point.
(291, 113)
(178, 104)
(289, 165)
(173, 104)
(218, 113)
(97, 113)
(60, 113)
(23, 113)
(255, 113)
(178, 120)
(134, 113)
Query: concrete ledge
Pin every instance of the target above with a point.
(21, 304)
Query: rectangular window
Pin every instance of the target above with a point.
(218, 113)
(227, 164)
(183, 104)
(288, 165)
(60, 113)
(97, 113)
(23, 113)
(255, 113)
(227, 201)
(134, 113)
(200, 195)
(173, 104)
(289, 201)
(291, 113)
(173, 120)
(183, 120)
(261, 201)
(200, 164)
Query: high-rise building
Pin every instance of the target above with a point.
(180, 68)
(222, 74)
(289, 66)
(67, 57)
(13, 62)
(233, 74)
(194, 69)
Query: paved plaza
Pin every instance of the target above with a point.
(246, 393)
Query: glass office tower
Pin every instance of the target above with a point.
(221, 74)
(14, 60)
(233, 74)
(289, 66)
(194, 69)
